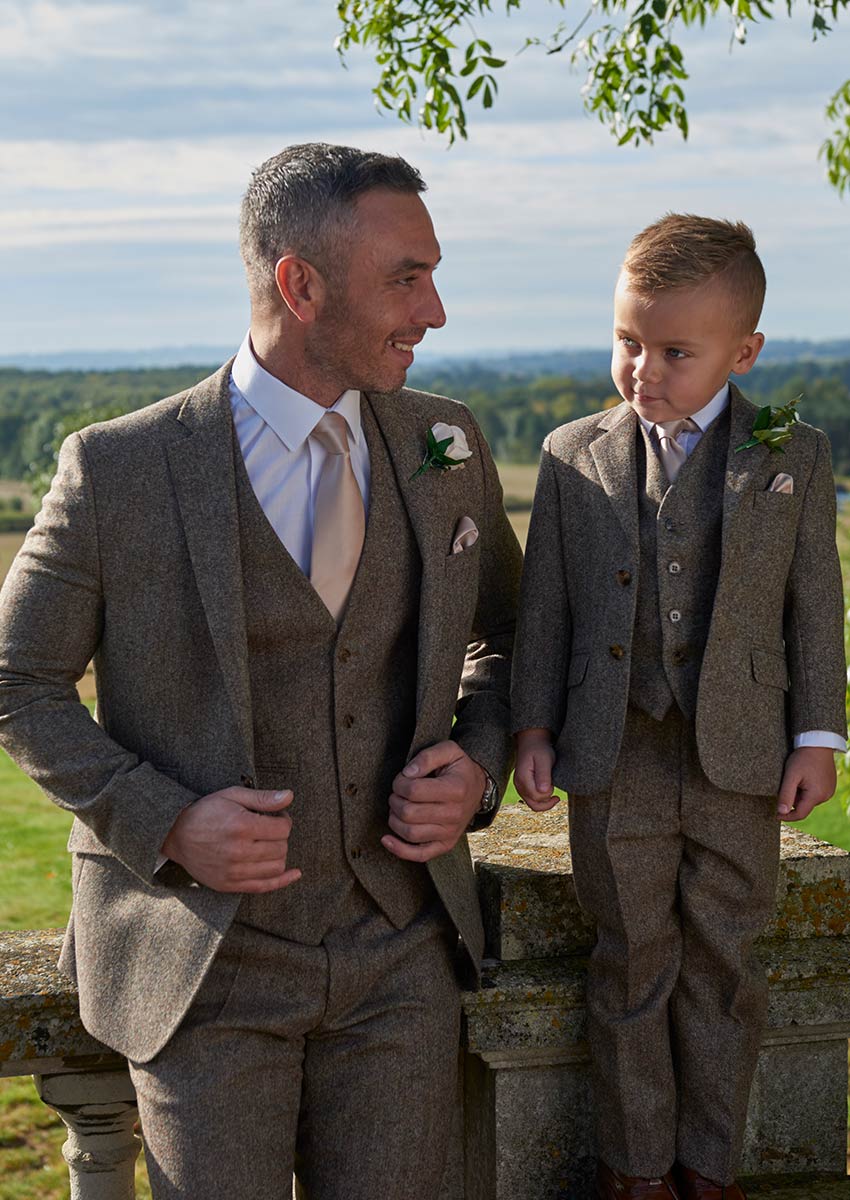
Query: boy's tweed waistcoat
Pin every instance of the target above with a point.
(680, 539)
(310, 692)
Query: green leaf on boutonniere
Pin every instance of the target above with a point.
(773, 427)
(437, 449)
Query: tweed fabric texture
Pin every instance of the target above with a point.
(773, 664)
(340, 781)
(680, 877)
(135, 561)
(350, 1076)
(680, 534)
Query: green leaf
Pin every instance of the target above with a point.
(763, 419)
(476, 87)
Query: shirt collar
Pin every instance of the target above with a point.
(705, 416)
(291, 415)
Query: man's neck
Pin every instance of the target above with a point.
(286, 363)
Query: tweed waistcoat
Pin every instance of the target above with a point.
(680, 542)
(321, 727)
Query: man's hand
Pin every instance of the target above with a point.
(808, 780)
(231, 842)
(433, 800)
(533, 775)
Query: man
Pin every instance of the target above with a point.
(285, 616)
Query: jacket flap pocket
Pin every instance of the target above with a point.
(578, 669)
(770, 668)
(83, 841)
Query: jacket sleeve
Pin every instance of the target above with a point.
(482, 726)
(52, 617)
(814, 610)
(541, 655)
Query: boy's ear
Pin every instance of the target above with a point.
(748, 352)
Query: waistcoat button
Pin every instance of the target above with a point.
(624, 578)
(674, 568)
(351, 789)
(347, 721)
(344, 654)
(675, 615)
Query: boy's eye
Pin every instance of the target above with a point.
(674, 353)
(627, 341)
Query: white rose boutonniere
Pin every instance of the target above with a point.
(447, 448)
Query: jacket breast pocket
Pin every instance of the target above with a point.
(769, 668)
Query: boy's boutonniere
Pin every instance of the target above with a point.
(446, 448)
(772, 427)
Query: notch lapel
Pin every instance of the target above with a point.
(614, 454)
(744, 470)
(430, 501)
(202, 471)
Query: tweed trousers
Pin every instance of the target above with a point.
(288, 1060)
(680, 878)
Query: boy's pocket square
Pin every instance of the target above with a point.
(783, 483)
(465, 535)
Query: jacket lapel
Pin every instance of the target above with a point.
(203, 474)
(430, 501)
(615, 459)
(745, 471)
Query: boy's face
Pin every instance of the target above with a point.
(674, 350)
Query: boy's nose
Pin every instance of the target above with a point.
(646, 368)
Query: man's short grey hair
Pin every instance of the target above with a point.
(301, 202)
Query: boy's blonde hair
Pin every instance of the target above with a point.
(684, 251)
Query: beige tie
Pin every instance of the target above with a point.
(339, 523)
(673, 454)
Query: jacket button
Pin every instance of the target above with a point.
(674, 568)
(679, 657)
(351, 789)
(624, 578)
(616, 651)
(344, 654)
(674, 615)
(347, 721)
(356, 852)
(247, 781)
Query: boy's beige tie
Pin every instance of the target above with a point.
(339, 523)
(672, 451)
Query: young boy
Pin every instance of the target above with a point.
(680, 671)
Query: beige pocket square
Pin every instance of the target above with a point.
(465, 535)
(783, 483)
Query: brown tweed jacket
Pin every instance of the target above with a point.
(135, 549)
(774, 660)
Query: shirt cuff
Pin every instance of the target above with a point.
(160, 863)
(820, 737)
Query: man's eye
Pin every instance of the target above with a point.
(407, 281)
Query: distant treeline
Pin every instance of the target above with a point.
(516, 410)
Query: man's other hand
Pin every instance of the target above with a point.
(433, 801)
(808, 780)
(232, 841)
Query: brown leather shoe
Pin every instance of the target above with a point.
(693, 1186)
(613, 1185)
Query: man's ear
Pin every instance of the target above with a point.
(748, 352)
(301, 287)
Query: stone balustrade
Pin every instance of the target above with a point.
(525, 1130)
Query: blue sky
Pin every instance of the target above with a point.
(128, 130)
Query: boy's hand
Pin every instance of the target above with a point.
(808, 780)
(533, 774)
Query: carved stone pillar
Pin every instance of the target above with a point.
(98, 1109)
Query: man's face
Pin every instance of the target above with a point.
(365, 333)
(673, 351)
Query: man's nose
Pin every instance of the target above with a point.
(430, 311)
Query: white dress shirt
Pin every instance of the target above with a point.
(273, 426)
(688, 439)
